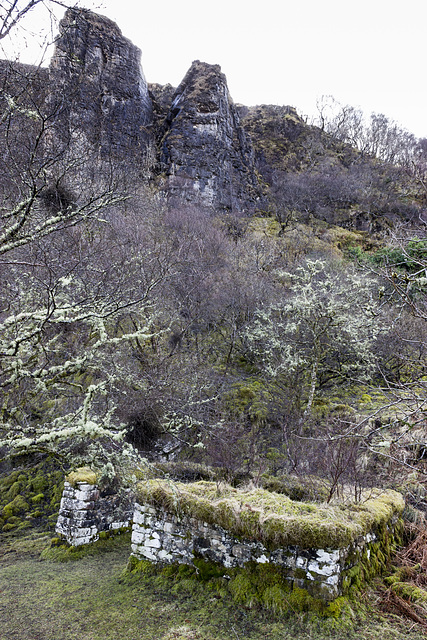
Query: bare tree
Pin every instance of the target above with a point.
(77, 291)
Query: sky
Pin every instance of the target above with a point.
(370, 54)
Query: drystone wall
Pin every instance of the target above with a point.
(164, 538)
(84, 512)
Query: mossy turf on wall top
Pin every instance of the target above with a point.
(83, 474)
(271, 518)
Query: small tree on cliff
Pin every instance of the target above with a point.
(325, 328)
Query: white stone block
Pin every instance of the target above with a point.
(76, 542)
(328, 556)
(138, 537)
(134, 549)
(138, 517)
(87, 531)
(85, 495)
(323, 569)
(119, 525)
(262, 559)
(153, 542)
(147, 553)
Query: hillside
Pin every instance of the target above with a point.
(227, 292)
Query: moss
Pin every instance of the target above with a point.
(186, 585)
(271, 518)
(103, 535)
(208, 570)
(17, 506)
(308, 489)
(14, 490)
(300, 600)
(7, 482)
(275, 598)
(38, 498)
(83, 474)
(242, 589)
(410, 592)
(135, 568)
(254, 585)
(336, 608)
(354, 576)
(39, 484)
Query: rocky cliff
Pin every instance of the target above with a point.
(192, 142)
(191, 136)
(205, 153)
(98, 90)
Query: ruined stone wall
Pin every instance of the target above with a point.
(163, 538)
(84, 512)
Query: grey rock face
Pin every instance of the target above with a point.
(98, 92)
(205, 153)
(104, 121)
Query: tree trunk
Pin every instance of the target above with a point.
(313, 384)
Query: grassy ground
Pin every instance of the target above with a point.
(88, 599)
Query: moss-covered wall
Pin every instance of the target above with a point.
(325, 551)
(167, 528)
(162, 537)
(30, 496)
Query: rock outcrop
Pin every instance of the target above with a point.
(98, 92)
(102, 125)
(205, 153)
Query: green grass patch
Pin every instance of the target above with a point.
(92, 600)
(61, 551)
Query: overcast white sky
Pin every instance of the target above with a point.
(370, 54)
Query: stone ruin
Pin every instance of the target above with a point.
(162, 537)
(84, 512)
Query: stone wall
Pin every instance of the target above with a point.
(164, 538)
(84, 512)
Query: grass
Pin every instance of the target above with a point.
(90, 599)
(274, 519)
